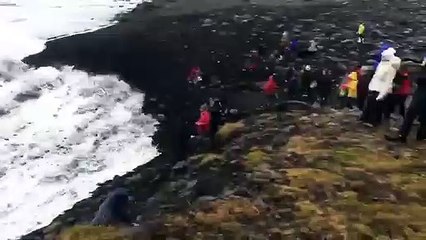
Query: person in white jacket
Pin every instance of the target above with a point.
(380, 86)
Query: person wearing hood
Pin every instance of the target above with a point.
(380, 86)
(416, 109)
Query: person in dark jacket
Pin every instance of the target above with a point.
(324, 86)
(114, 210)
(365, 75)
(293, 82)
(216, 109)
(307, 84)
(416, 109)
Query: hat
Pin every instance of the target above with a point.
(308, 67)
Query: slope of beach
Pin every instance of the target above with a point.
(154, 47)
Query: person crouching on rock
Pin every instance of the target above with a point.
(380, 86)
(203, 123)
(361, 33)
(416, 109)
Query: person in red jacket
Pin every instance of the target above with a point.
(203, 123)
(270, 88)
(402, 92)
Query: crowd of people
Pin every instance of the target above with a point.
(376, 91)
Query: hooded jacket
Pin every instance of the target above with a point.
(382, 80)
(352, 84)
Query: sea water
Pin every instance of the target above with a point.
(62, 131)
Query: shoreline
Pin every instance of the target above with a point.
(160, 41)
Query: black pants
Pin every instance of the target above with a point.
(374, 110)
(400, 103)
(393, 101)
(361, 101)
(413, 112)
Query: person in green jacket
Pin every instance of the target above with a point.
(361, 33)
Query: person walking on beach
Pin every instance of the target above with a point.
(361, 33)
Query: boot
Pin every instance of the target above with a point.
(396, 138)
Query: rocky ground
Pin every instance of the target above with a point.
(308, 176)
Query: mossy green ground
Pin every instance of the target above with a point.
(333, 179)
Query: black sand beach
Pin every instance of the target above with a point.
(153, 48)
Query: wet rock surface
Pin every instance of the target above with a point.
(307, 176)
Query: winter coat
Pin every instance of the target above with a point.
(270, 87)
(361, 30)
(403, 84)
(352, 85)
(382, 80)
(203, 123)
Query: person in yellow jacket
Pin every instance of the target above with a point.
(361, 33)
(352, 85)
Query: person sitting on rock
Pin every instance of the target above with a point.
(195, 75)
(361, 33)
(380, 86)
(416, 109)
(114, 209)
(204, 122)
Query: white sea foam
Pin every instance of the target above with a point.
(62, 131)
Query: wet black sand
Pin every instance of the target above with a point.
(154, 47)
